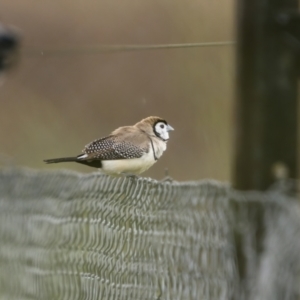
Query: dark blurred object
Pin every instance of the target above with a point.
(289, 22)
(9, 46)
(267, 90)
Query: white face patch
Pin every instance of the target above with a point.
(161, 130)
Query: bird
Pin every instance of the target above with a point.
(127, 150)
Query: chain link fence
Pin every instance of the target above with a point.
(65, 235)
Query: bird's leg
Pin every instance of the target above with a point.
(130, 175)
(167, 177)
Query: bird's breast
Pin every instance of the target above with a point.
(159, 147)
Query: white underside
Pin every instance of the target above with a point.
(129, 166)
(134, 165)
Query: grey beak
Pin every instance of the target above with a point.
(169, 128)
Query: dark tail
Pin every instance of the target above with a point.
(59, 160)
(91, 163)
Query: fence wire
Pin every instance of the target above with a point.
(98, 49)
(64, 235)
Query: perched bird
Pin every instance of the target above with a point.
(127, 150)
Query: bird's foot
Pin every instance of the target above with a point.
(131, 176)
(167, 177)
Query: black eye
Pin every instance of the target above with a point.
(162, 126)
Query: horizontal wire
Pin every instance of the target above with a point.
(115, 48)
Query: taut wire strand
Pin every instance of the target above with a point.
(88, 50)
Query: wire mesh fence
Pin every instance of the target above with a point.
(65, 235)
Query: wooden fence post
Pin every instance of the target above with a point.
(266, 105)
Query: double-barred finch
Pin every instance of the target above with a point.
(127, 150)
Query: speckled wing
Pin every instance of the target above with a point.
(111, 148)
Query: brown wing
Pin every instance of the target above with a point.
(110, 148)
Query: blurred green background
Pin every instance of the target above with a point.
(51, 106)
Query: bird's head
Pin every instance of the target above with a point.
(155, 126)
